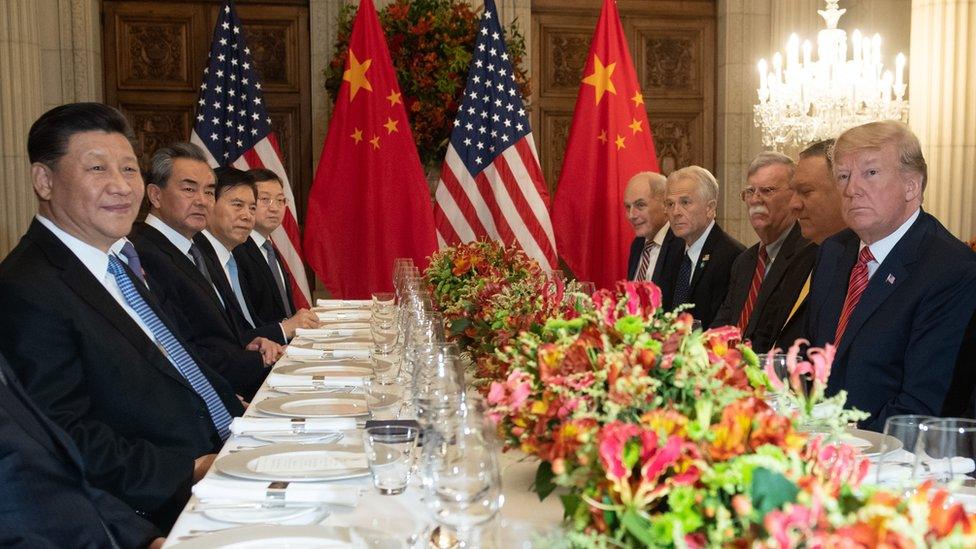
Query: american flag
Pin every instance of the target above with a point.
(491, 185)
(234, 128)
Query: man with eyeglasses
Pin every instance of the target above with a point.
(762, 280)
(230, 226)
(181, 193)
(264, 281)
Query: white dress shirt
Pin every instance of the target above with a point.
(883, 247)
(96, 261)
(694, 251)
(658, 241)
(772, 250)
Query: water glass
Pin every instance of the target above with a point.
(386, 366)
(389, 452)
(945, 450)
(383, 398)
(894, 462)
(384, 333)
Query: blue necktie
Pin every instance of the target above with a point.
(177, 354)
(272, 258)
(235, 282)
(682, 286)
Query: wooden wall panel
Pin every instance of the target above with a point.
(154, 54)
(673, 47)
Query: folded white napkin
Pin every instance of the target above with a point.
(282, 380)
(343, 303)
(304, 352)
(244, 425)
(331, 332)
(211, 488)
(343, 346)
(332, 316)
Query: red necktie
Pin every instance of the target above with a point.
(757, 280)
(645, 262)
(855, 287)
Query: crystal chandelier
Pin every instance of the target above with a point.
(807, 100)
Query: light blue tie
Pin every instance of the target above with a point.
(235, 282)
(174, 349)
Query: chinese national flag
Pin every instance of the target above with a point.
(609, 142)
(369, 203)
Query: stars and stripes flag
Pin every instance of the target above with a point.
(491, 184)
(234, 128)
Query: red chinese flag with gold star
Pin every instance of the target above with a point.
(609, 141)
(369, 203)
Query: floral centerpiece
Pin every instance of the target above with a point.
(430, 43)
(972, 243)
(662, 436)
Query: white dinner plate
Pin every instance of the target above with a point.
(312, 405)
(293, 514)
(279, 537)
(344, 368)
(284, 437)
(266, 463)
(869, 442)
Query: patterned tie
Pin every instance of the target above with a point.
(272, 258)
(235, 282)
(855, 287)
(682, 286)
(129, 251)
(199, 262)
(645, 262)
(175, 351)
(757, 280)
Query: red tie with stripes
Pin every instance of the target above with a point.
(855, 287)
(757, 280)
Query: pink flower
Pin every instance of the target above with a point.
(771, 374)
(822, 361)
(779, 523)
(611, 441)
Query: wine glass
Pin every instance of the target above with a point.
(461, 476)
(895, 461)
(437, 388)
(945, 450)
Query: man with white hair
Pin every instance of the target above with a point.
(762, 285)
(698, 274)
(644, 205)
(894, 292)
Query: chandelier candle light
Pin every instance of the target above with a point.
(808, 100)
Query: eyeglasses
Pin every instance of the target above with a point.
(266, 202)
(762, 192)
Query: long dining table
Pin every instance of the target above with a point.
(404, 516)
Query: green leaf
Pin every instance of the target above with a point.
(570, 503)
(543, 484)
(770, 490)
(638, 527)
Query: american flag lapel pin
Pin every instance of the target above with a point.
(890, 279)
(704, 260)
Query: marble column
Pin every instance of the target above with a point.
(743, 38)
(942, 91)
(20, 105)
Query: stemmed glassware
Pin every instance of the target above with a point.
(945, 451)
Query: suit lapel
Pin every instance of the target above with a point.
(776, 272)
(79, 279)
(220, 281)
(891, 274)
(705, 257)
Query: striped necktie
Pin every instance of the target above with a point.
(272, 258)
(855, 287)
(175, 351)
(757, 280)
(645, 262)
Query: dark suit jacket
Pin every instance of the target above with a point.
(710, 279)
(259, 286)
(194, 305)
(777, 294)
(898, 353)
(637, 247)
(271, 331)
(794, 327)
(88, 366)
(45, 500)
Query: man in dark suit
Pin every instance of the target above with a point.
(45, 500)
(84, 333)
(181, 197)
(762, 284)
(264, 281)
(894, 292)
(699, 261)
(228, 227)
(816, 204)
(644, 205)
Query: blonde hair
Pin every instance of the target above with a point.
(875, 135)
(707, 185)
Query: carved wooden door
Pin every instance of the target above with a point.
(672, 44)
(154, 54)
